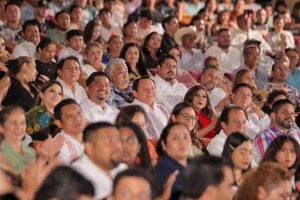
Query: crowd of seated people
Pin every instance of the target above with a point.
(149, 99)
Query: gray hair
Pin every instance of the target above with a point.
(112, 64)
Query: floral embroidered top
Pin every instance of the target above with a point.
(39, 119)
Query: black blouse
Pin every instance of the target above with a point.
(18, 95)
(47, 69)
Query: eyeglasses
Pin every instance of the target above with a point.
(188, 117)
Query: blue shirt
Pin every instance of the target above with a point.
(164, 168)
(294, 79)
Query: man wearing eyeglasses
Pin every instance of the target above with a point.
(169, 91)
(279, 77)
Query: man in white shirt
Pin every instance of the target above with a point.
(169, 91)
(101, 161)
(31, 38)
(246, 33)
(144, 91)
(107, 29)
(209, 79)
(191, 58)
(145, 26)
(251, 55)
(75, 45)
(68, 70)
(95, 108)
(229, 57)
(232, 119)
(69, 118)
(257, 120)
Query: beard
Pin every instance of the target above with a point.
(209, 86)
(170, 77)
(286, 123)
(224, 46)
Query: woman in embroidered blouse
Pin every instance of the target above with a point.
(133, 56)
(151, 49)
(16, 89)
(174, 146)
(238, 151)
(12, 126)
(40, 119)
(185, 113)
(198, 97)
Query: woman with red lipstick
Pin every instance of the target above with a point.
(198, 97)
(284, 150)
(238, 151)
(133, 56)
(40, 119)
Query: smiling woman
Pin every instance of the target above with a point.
(40, 119)
(12, 126)
(198, 97)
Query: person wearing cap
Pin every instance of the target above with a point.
(144, 25)
(107, 28)
(191, 59)
(229, 57)
(41, 15)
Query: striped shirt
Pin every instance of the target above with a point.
(264, 139)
